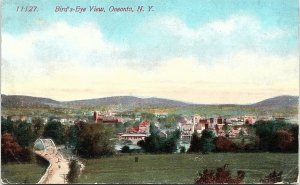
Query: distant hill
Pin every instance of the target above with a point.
(128, 101)
(26, 101)
(278, 102)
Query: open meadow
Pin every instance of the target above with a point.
(183, 168)
(22, 173)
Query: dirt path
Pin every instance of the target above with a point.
(58, 168)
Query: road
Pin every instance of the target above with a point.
(58, 168)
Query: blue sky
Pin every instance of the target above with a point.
(197, 51)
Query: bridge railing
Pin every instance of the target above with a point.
(44, 178)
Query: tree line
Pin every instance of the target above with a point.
(272, 136)
(86, 139)
(95, 140)
(158, 144)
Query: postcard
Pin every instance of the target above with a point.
(149, 91)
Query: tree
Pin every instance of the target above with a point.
(125, 149)
(226, 129)
(38, 127)
(182, 149)
(220, 176)
(295, 131)
(206, 141)
(74, 171)
(224, 144)
(171, 142)
(156, 144)
(72, 136)
(95, 140)
(283, 140)
(266, 131)
(24, 134)
(195, 145)
(6, 125)
(10, 149)
(56, 131)
(151, 144)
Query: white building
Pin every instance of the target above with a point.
(134, 138)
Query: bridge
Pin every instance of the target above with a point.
(58, 166)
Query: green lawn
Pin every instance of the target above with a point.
(22, 173)
(182, 168)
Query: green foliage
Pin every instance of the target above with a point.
(169, 121)
(195, 145)
(74, 171)
(6, 125)
(151, 144)
(156, 144)
(95, 140)
(267, 131)
(295, 131)
(24, 134)
(56, 131)
(125, 149)
(27, 155)
(241, 133)
(72, 136)
(206, 140)
(148, 116)
(182, 149)
(38, 127)
(204, 143)
(11, 151)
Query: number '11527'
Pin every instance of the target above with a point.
(27, 9)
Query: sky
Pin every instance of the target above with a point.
(209, 51)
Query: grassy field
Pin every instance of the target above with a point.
(22, 173)
(183, 168)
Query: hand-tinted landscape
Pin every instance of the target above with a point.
(149, 91)
(139, 127)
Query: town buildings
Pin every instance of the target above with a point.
(107, 117)
(136, 133)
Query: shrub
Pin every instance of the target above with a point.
(224, 144)
(283, 140)
(26, 155)
(10, 149)
(125, 149)
(74, 171)
(272, 178)
(182, 149)
(220, 176)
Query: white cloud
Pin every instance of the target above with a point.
(216, 38)
(68, 62)
(237, 24)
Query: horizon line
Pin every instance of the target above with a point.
(148, 97)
